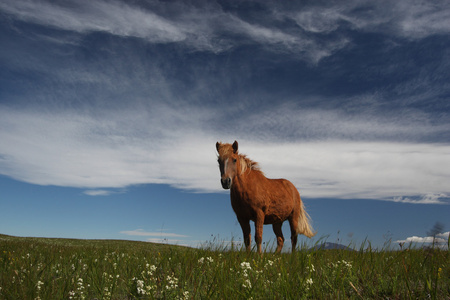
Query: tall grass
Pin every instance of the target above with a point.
(32, 268)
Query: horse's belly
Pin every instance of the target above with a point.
(270, 219)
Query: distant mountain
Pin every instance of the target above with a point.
(331, 246)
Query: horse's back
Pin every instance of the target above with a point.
(283, 188)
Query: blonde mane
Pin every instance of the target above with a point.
(245, 163)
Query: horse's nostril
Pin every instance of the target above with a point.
(226, 183)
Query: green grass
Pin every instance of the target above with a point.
(38, 268)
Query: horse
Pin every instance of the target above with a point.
(260, 199)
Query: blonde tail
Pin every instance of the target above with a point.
(304, 227)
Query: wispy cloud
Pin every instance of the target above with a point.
(279, 28)
(409, 19)
(98, 192)
(424, 199)
(114, 17)
(207, 28)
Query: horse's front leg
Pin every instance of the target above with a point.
(246, 231)
(259, 222)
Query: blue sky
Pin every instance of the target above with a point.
(110, 111)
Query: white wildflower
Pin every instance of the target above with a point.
(308, 283)
(208, 259)
(39, 284)
(107, 292)
(172, 282)
(344, 263)
(245, 266)
(186, 295)
(247, 284)
(151, 269)
(140, 287)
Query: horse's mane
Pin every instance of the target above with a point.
(246, 163)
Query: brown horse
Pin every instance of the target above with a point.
(262, 200)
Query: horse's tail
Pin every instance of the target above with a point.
(304, 223)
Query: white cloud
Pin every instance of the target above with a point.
(417, 239)
(97, 192)
(444, 235)
(375, 170)
(119, 149)
(441, 238)
(68, 149)
(424, 199)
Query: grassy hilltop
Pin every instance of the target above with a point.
(40, 268)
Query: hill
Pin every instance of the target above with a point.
(90, 243)
(331, 246)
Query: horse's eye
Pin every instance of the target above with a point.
(234, 160)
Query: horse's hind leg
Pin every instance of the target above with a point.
(279, 233)
(293, 223)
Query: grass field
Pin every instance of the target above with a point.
(38, 268)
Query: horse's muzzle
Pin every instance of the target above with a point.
(226, 183)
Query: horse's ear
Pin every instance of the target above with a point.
(217, 146)
(235, 147)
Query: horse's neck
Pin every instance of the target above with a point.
(246, 178)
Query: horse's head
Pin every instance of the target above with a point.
(228, 163)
